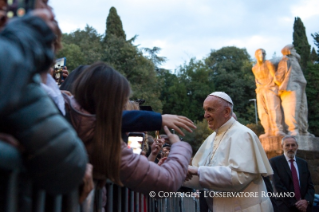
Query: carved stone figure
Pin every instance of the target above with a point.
(268, 101)
(292, 84)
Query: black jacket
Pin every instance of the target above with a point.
(54, 156)
(282, 182)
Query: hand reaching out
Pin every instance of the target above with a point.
(176, 122)
(156, 148)
(171, 137)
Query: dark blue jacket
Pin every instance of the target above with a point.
(54, 156)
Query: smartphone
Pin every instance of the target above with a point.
(58, 67)
(19, 7)
(135, 141)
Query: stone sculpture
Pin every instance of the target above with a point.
(268, 101)
(292, 85)
(281, 98)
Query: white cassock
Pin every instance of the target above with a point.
(232, 160)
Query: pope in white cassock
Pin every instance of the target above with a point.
(230, 160)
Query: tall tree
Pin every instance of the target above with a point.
(81, 47)
(313, 56)
(153, 55)
(185, 92)
(316, 38)
(230, 71)
(312, 91)
(126, 58)
(300, 42)
(114, 25)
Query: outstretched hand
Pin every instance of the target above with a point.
(176, 122)
(171, 137)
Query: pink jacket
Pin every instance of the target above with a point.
(136, 173)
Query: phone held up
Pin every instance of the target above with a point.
(58, 70)
(135, 141)
(18, 8)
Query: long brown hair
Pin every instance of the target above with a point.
(103, 91)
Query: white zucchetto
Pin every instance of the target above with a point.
(222, 95)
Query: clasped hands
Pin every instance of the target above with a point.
(192, 170)
(302, 205)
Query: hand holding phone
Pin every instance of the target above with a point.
(135, 140)
(19, 7)
(58, 70)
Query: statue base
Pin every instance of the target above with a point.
(308, 149)
(272, 145)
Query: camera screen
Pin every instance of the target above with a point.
(135, 143)
(19, 7)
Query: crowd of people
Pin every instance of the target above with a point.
(74, 136)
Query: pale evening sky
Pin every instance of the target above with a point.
(191, 28)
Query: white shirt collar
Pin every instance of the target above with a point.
(288, 159)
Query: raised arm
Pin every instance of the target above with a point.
(139, 174)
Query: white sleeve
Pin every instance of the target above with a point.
(222, 178)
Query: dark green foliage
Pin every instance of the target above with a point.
(316, 41)
(114, 25)
(185, 93)
(157, 60)
(312, 91)
(230, 71)
(300, 42)
(313, 56)
(87, 46)
(198, 136)
(139, 70)
(82, 47)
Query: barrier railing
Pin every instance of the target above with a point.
(130, 201)
(17, 192)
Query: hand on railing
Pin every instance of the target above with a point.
(88, 184)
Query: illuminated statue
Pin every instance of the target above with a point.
(268, 101)
(292, 85)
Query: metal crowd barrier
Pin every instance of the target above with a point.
(130, 201)
(13, 198)
(17, 192)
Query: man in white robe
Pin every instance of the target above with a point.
(230, 160)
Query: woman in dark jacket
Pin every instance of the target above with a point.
(53, 154)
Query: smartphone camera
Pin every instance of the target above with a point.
(58, 70)
(135, 141)
(19, 7)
